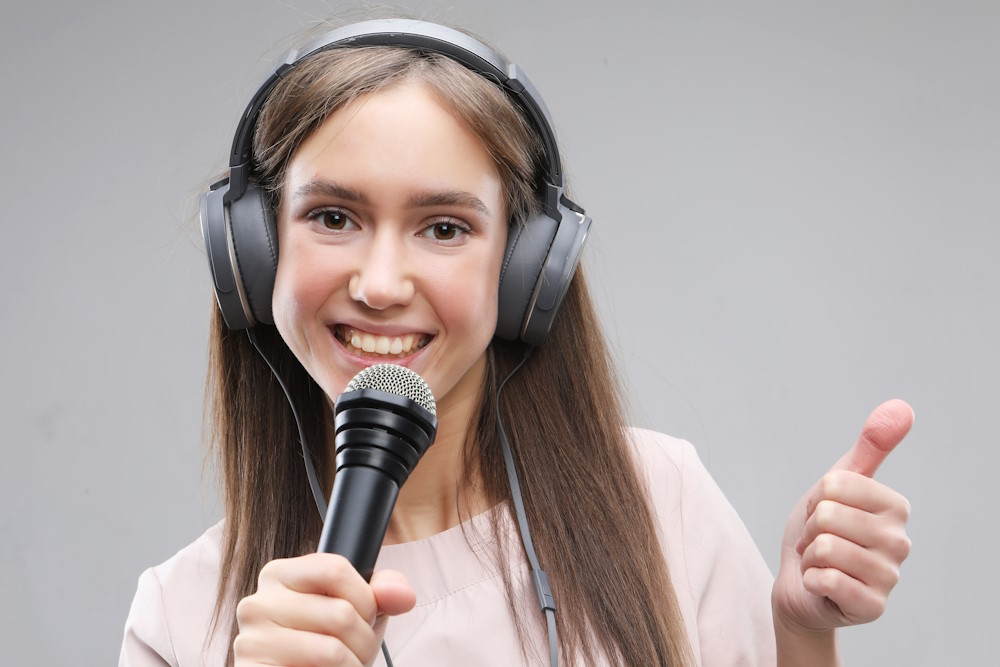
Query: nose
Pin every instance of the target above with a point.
(382, 278)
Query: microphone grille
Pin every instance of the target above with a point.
(395, 379)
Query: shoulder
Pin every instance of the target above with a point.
(684, 498)
(655, 450)
(171, 615)
(198, 562)
(669, 466)
(690, 505)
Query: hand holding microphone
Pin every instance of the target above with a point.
(322, 604)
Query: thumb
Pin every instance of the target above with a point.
(392, 593)
(393, 596)
(885, 428)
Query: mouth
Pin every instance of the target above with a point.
(367, 344)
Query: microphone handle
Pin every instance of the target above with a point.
(358, 515)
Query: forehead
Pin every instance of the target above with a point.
(405, 128)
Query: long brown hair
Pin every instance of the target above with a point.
(603, 558)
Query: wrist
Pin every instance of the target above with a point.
(799, 646)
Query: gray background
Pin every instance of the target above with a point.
(795, 210)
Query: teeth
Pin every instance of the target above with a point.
(373, 344)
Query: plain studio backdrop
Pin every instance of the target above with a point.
(795, 218)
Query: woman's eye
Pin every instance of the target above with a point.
(445, 231)
(333, 220)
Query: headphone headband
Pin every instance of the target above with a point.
(419, 35)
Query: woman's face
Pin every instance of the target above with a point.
(391, 233)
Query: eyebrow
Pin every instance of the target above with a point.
(418, 200)
(449, 198)
(329, 189)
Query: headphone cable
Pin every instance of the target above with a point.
(314, 485)
(542, 590)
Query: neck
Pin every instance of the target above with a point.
(429, 501)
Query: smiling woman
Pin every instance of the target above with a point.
(421, 215)
(392, 229)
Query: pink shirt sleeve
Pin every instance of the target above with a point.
(146, 641)
(721, 581)
(171, 619)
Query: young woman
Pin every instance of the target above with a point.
(405, 181)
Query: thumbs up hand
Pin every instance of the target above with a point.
(846, 539)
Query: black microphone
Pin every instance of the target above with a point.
(385, 420)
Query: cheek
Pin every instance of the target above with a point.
(468, 299)
(297, 297)
(285, 304)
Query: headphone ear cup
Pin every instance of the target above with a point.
(541, 257)
(255, 246)
(241, 242)
(528, 244)
(215, 232)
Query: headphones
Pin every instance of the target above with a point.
(239, 227)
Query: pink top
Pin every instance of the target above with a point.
(461, 616)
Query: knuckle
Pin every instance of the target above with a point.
(898, 506)
(240, 645)
(904, 508)
(339, 617)
(338, 572)
(828, 580)
(826, 514)
(825, 544)
(246, 609)
(878, 607)
(269, 571)
(832, 483)
(320, 651)
(893, 577)
(244, 646)
(902, 546)
(338, 652)
(820, 581)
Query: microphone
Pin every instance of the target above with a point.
(385, 420)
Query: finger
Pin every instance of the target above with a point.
(885, 533)
(320, 574)
(865, 565)
(393, 593)
(309, 613)
(855, 490)
(284, 646)
(887, 425)
(855, 602)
